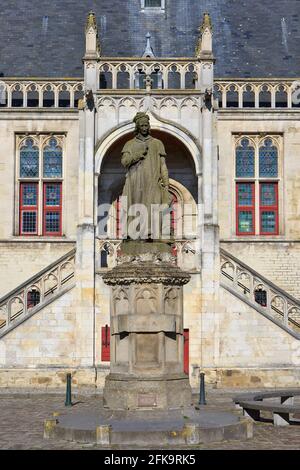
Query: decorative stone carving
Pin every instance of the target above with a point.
(121, 304)
(171, 301)
(147, 341)
(146, 301)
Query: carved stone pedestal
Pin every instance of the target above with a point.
(146, 331)
(147, 397)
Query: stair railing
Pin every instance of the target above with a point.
(260, 293)
(36, 292)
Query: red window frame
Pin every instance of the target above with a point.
(105, 343)
(26, 208)
(240, 208)
(186, 351)
(57, 209)
(118, 219)
(273, 208)
(173, 213)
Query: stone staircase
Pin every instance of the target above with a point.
(259, 293)
(236, 277)
(37, 292)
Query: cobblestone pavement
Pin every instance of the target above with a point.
(22, 418)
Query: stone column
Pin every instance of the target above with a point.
(146, 368)
(210, 228)
(85, 254)
(210, 225)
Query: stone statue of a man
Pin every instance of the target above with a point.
(147, 180)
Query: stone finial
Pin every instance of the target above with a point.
(148, 51)
(206, 23)
(93, 46)
(204, 41)
(91, 21)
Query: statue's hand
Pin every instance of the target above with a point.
(165, 186)
(136, 159)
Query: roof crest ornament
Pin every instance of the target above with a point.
(148, 51)
(91, 21)
(205, 25)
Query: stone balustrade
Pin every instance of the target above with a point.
(131, 73)
(257, 93)
(40, 93)
(260, 293)
(38, 291)
(185, 251)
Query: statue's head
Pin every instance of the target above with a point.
(142, 124)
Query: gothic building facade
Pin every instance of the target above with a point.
(224, 100)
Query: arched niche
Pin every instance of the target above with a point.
(180, 163)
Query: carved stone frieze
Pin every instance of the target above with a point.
(146, 272)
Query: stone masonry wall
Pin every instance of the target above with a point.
(21, 260)
(278, 262)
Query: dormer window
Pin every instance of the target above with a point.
(153, 4)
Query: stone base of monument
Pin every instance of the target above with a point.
(146, 363)
(149, 428)
(147, 397)
(163, 393)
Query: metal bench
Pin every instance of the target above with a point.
(253, 404)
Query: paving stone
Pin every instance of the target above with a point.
(21, 426)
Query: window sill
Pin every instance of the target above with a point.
(39, 239)
(259, 239)
(153, 10)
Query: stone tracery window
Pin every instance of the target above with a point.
(257, 181)
(52, 159)
(29, 160)
(245, 156)
(268, 160)
(40, 177)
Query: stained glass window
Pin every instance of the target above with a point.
(28, 208)
(268, 160)
(268, 195)
(259, 195)
(52, 209)
(245, 208)
(29, 222)
(29, 195)
(52, 194)
(268, 222)
(245, 194)
(29, 160)
(245, 222)
(245, 160)
(52, 222)
(40, 201)
(268, 208)
(52, 157)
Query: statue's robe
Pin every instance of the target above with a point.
(147, 174)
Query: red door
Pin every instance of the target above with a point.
(186, 351)
(105, 344)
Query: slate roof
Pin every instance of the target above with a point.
(252, 38)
